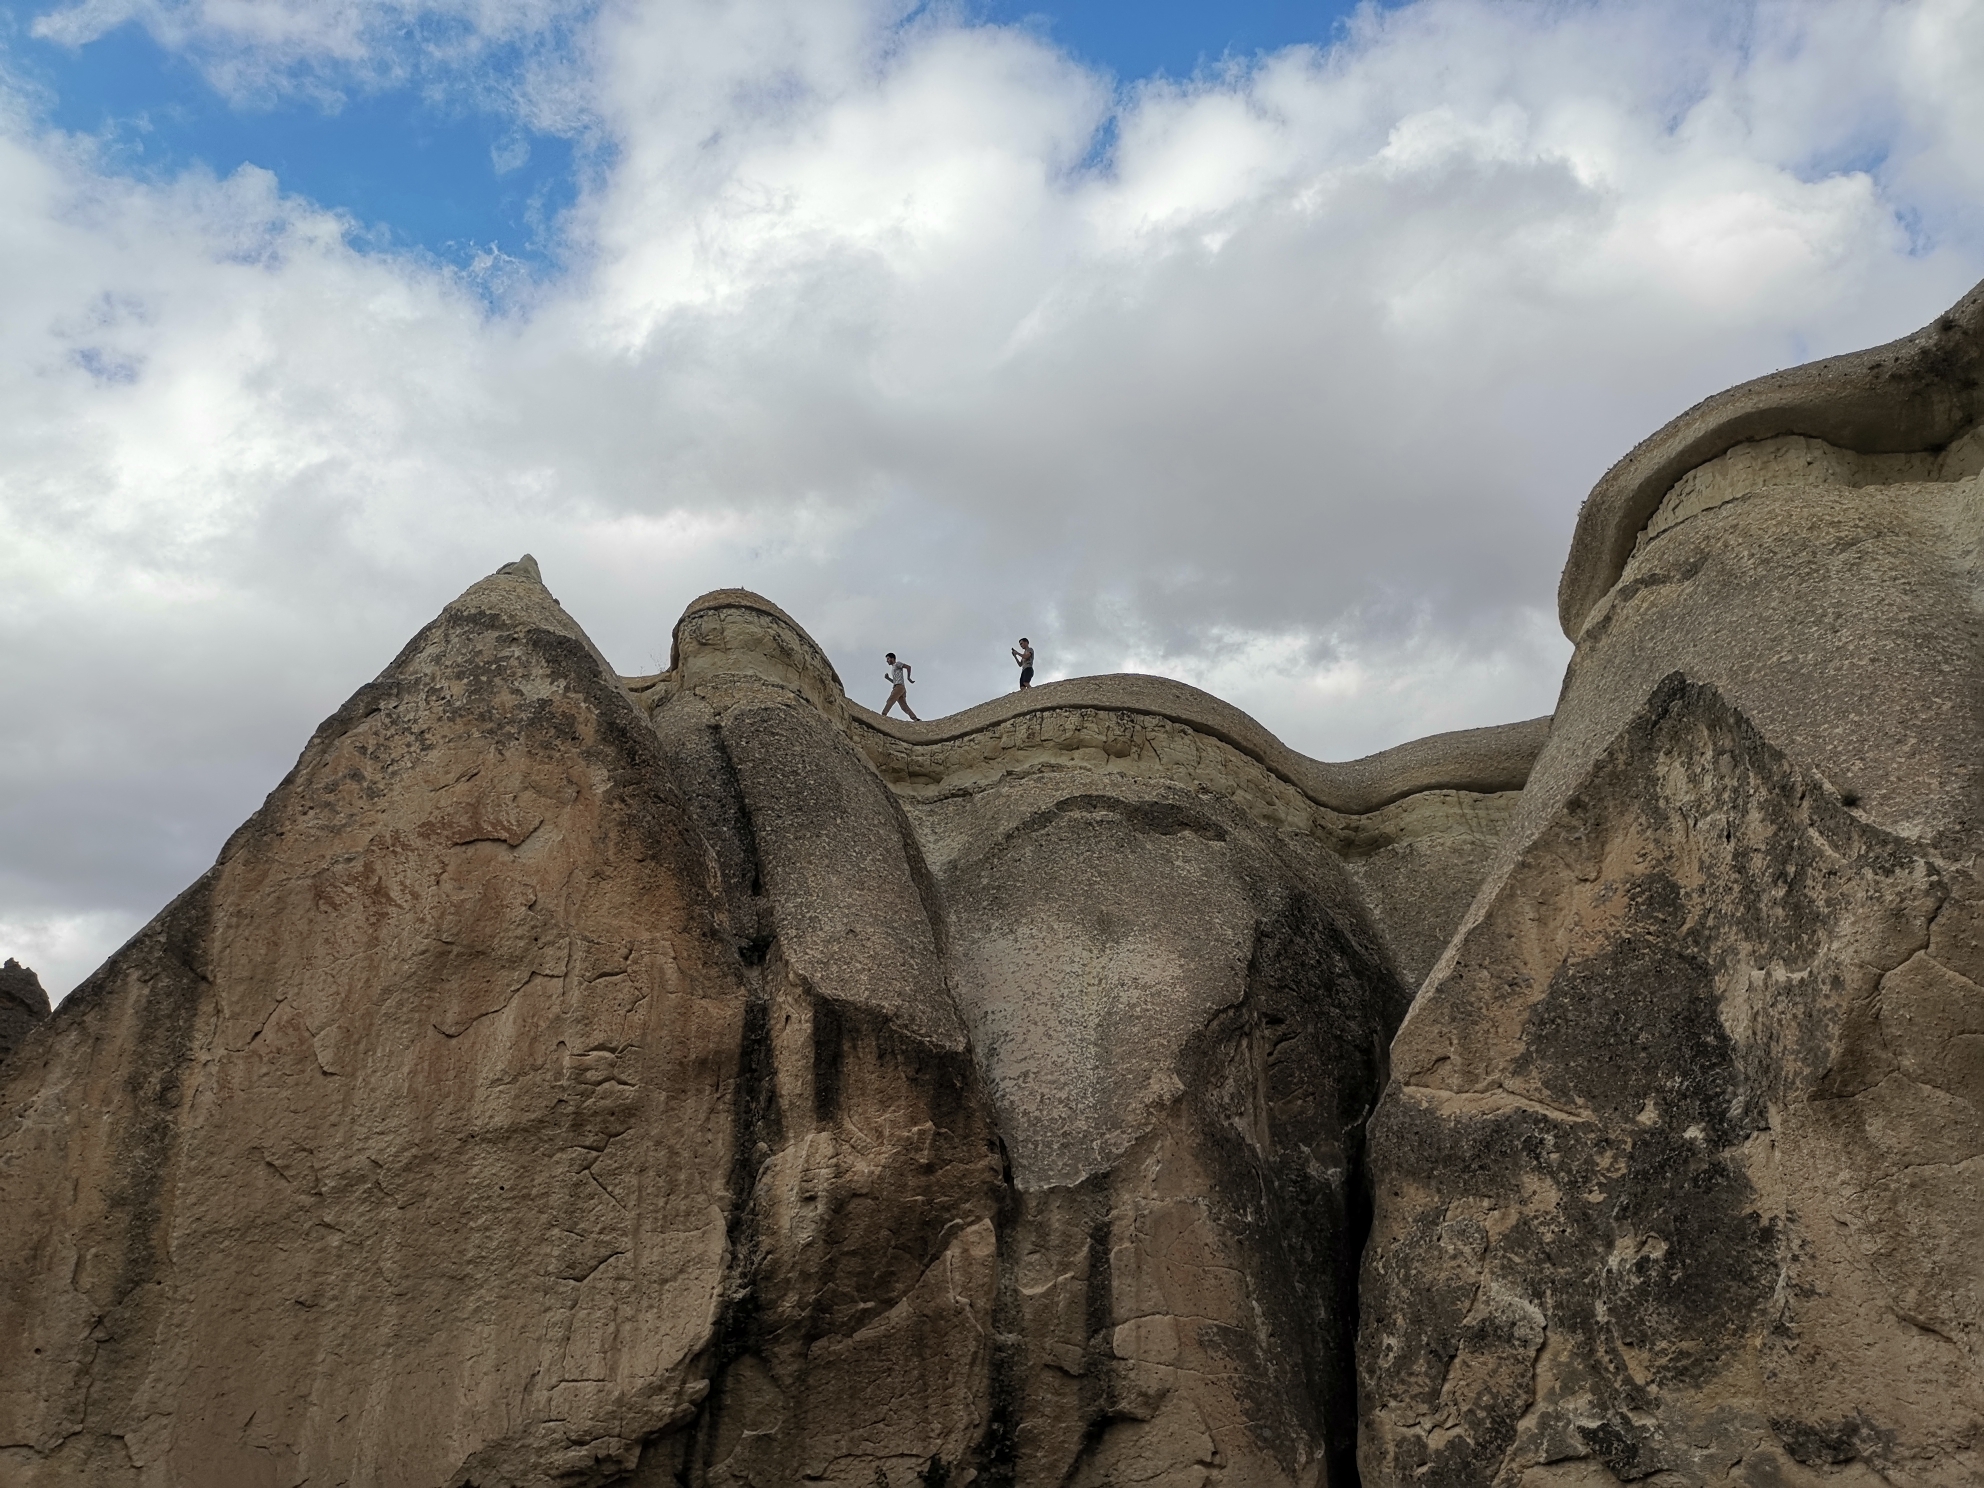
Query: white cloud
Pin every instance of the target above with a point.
(63, 949)
(254, 50)
(1292, 390)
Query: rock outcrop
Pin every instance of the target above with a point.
(696, 1079)
(1678, 1177)
(23, 1004)
(1174, 1005)
(396, 1150)
(1658, 1177)
(1915, 398)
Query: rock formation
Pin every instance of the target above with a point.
(1678, 1178)
(576, 1079)
(23, 1004)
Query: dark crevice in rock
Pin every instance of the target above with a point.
(996, 1454)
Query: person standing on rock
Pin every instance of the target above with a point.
(1023, 659)
(898, 673)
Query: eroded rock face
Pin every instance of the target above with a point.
(1616, 1236)
(23, 1004)
(1173, 1023)
(858, 1343)
(695, 1079)
(1181, 1021)
(1679, 1177)
(398, 1149)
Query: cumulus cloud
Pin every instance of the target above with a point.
(1286, 379)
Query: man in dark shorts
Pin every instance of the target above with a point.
(1023, 659)
(898, 673)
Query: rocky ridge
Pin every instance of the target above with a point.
(568, 1078)
(576, 1079)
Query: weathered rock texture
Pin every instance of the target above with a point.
(1119, 904)
(695, 1079)
(1678, 1178)
(1662, 1181)
(23, 1004)
(396, 1150)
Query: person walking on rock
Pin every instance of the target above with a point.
(1023, 659)
(899, 672)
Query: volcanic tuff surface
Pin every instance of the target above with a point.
(568, 1078)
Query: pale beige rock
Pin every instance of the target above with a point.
(1833, 593)
(1752, 905)
(1677, 1179)
(1915, 395)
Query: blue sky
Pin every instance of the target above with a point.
(413, 164)
(426, 163)
(1136, 38)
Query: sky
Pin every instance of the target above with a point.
(1267, 345)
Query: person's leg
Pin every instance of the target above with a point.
(896, 695)
(1026, 677)
(909, 710)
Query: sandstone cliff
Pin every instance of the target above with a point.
(1612, 1228)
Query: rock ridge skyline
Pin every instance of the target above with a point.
(571, 1078)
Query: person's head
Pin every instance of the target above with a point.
(1025, 642)
(890, 657)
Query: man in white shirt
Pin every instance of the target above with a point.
(899, 672)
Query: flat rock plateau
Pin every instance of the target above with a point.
(575, 1079)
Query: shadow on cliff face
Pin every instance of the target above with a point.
(1071, 1138)
(1182, 1020)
